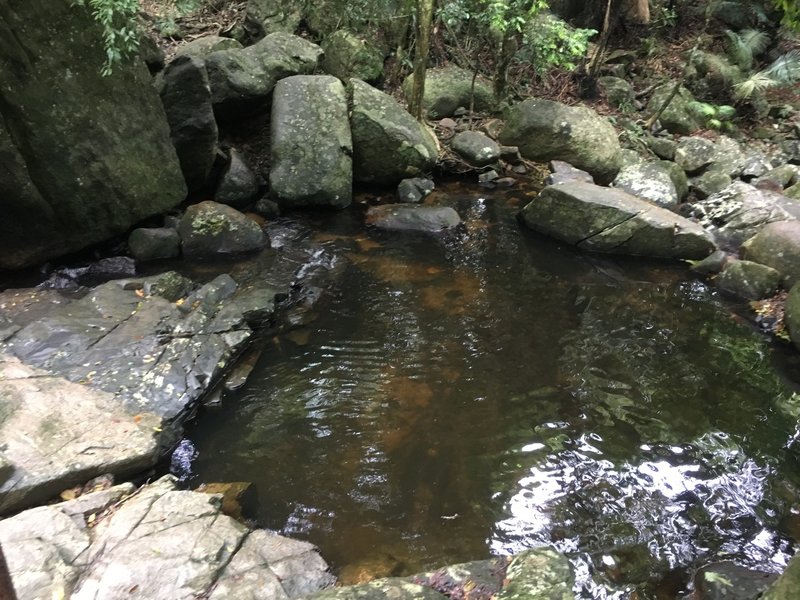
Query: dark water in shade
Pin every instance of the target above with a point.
(477, 395)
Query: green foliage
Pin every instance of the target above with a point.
(118, 21)
(785, 70)
(713, 116)
(550, 42)
(117, 18)
(791, 13)
(745, 46)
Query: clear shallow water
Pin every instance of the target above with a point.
(478, 395)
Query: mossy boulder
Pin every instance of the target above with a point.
(546, 130)
(778, 246)
(749, 280)
(617, 91)
(154, 243)
(264, 17)
(450, 88)
(610, 220)
(208, 229)
(311, 143)
(244, 79)
(677, 117)
(538, 574)
(792, 318)
(349, 55)
(693, 154)
(84, 157)
(202, 47)
(389, 145)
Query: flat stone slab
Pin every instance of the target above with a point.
(602, 219)
(57, 434)
(158, 544)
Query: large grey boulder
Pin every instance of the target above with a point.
(159, 543)
(311, 143)
(777, 245)
(211, 228)
(546, 130)
(82, 156)
(186, 96)
(450, 88)
(740, 211)
(388, 143)
(242, 79)
(610, 220)
(648, 181)
(677, 117)
(349, 55)
(56, 434)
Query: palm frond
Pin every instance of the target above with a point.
(757, 82)
(786, 68)
(755, 39)
(739, 52)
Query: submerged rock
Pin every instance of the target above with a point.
(728, 581)
(380, 589)
(546, 130)
(610, 220)
(311, 143)
(159, 544)
(409, 217)
(210, 228)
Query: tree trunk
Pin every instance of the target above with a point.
(508, 48)
(422, 46)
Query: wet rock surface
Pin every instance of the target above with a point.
(156, 543)
(610, 220)
(56, 433)
(210, 228)
(410, 217)
(90, 382)
(740, 211)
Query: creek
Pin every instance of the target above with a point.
(480, 393)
